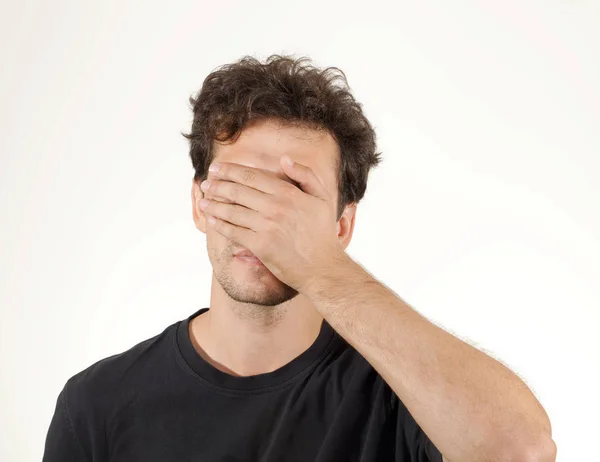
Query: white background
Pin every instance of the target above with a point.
(484, 214)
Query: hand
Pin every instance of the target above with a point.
(291, 230)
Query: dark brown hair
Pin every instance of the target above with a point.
(292, 91)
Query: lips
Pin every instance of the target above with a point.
(248, 257)
(243, 253)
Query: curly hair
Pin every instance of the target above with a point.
(292, 91)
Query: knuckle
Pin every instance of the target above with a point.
(248, 175)
(271, 227)
(231, 213)
(234, 192)
(278, 212)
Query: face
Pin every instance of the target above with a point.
(261, 145)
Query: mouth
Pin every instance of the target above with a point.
(249, 259)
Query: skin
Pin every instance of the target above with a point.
(471, 406)
(271, 322)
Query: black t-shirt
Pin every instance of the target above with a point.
(161, 401)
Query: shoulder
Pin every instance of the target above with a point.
(85, 404)
(93, 390)
(408, 433)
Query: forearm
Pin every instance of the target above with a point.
(471, 406)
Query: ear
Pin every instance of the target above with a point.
(197, 212)
(345, 225)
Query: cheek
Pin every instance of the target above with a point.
(219, 244)
(214, 246)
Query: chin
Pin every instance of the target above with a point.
(264, 297)
(258, 292)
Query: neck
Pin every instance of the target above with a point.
(246, 340)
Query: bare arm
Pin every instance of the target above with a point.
(472, 407)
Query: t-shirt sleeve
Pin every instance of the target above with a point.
(412, 443)
(62, 444)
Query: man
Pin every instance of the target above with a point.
(302, 355)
